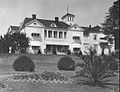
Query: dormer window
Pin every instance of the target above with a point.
(35, 23)
(75, 27)
(53, 25)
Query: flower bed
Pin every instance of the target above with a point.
(45, 77)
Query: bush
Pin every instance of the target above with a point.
(95, 70)
(39, 51)
(23, 63)
(54, 52)
(113, 63)
(51, 76)
(68, 52)
(66, 63)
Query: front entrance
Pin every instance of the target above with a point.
(35, 49)
(57, 48)
(76, 50)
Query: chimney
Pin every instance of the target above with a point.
(89, 26)
(34, 16)
(56, 19)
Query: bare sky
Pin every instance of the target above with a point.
(88, 12)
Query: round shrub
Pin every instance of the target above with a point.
(68, 52)
(66, 63)
(23, 63)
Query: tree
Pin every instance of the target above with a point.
(95, 70)
(111, 23)
(17, 41)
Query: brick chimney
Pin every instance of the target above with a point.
(89, 26)
(34, 16)
(56, 19)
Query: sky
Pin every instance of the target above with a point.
(87, 12)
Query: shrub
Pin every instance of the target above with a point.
(23, 63)
(95, 69)
(66, 63)
(54, 52)
(113, 63)
(39, 51)
(68, 52)
(51, 76)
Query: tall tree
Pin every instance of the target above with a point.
(17, 41)
(111, 23)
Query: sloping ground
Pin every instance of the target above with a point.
(51, 87)
(42, 62)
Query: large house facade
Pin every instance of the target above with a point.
(60, 35)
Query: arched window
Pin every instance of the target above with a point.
(53, 25)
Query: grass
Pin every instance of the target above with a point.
(49, 63)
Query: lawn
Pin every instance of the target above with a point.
(46, 63)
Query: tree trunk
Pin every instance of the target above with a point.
(102, 51)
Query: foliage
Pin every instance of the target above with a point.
(24, 63)
(54, 52)
(45, 77)
(111, 23)
(95, 70)
(25, 76)
(68, 52)
(51, 76)
(39, 51)
(113, 64)
(18, 41)
(66, 63)
(3, 85)
(103, 46)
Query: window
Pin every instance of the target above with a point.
(55, 34)
(35, 34)
(45, 33)
(95, 37)
(60, 34)
(76, 37)
(50, 34)
(35, 47)
(53, 25)
(35, 23)
(65, 33)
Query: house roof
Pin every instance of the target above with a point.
(47, 23)
(14, 27)
(68, 14)
(88, 30)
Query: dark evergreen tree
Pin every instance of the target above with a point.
(17, 41)
(111, 23)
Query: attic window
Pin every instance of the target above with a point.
(35, 23)
(75, 27)
(53, 25)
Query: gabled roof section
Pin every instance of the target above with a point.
(14, 27)
(68, 14)
(96, 29)
(47, 23)
(75, 27)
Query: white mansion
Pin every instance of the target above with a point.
(59, 35)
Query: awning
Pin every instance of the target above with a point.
(76, 45)
(56, 43)
(35, 43)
